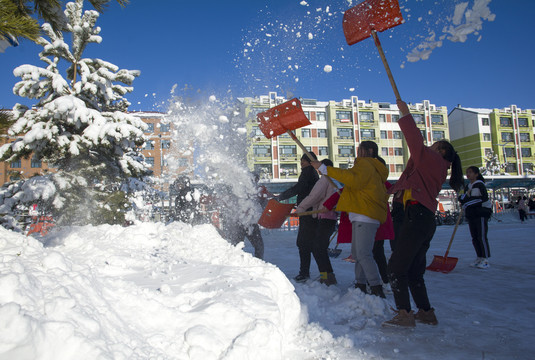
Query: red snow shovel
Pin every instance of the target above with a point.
(275, 214)
(284, 118)
(368, 18)
(445, 264)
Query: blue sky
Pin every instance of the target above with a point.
(201, 44)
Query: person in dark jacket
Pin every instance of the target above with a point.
(417, 189)
(307, 224)
(477, 209)
(186, 207)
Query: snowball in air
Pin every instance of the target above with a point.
(212, 98)
(327, 68)
(223, 119)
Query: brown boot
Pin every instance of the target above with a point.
(328, 278)
(426, 317)
(377, 290)
(361, 287)
(402, 319)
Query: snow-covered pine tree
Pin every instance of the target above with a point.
(79, 125)
(492, 165)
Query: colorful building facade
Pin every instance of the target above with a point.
(506, 133)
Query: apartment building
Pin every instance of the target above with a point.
(336, 130)
(507, 133)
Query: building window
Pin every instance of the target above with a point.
(524, 137)
(262, 150)
(485, 121)
(344, 133)
(366, 116)
(183, 162)
(165, 127)
(418, 118)
(36, 163)
(510, 168)
(395, 118)
(150, 161)
(323, 150)
(506, 121)
(149, 145)
(264, 170)
(346, 151)
(523, 122)
(527, 167)
(526, 152)
(16, 164)
(438, 135)
(399, 168)
(382, 118)
(506, 136)
(488, 152)
(150, 128)
(288, 150)
(398, 151)
(166, 144)
(305, 133)
(397, 134)
(256, 111)
(257, 131)
(384, 151)
(367, 134)
(384, 134)
(307, 114)
(288, 170)
(486, 137)
(509, 152)
(343, 116)
(322, 133)
(320, 116)
(437, 119)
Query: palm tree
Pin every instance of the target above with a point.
(16, 19)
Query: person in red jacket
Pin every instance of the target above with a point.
(417, 189)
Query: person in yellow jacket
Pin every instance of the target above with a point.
(365, 200)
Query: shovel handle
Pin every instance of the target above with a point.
(454, 231)
(311, 212)
(292, 135)
(385, 63)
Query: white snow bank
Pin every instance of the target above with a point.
(146, 291)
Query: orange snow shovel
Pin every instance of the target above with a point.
(368, 18)
(275, 214)
(445, 264)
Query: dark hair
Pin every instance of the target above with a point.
(381, 160)
(305, 157)
(370, 145)
(327, 162)
(476, 170)
(456, 178)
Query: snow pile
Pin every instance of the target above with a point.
(147, 291)
(464, 22)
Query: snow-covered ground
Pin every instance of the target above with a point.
(151, 291)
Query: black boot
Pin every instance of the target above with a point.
(377, 290)
(361, 287)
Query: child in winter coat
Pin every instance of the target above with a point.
(324, 227)
(418, 188)
(365, 200)
(477, 209)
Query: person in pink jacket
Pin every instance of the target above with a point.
(322, 190)
(417, 189)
